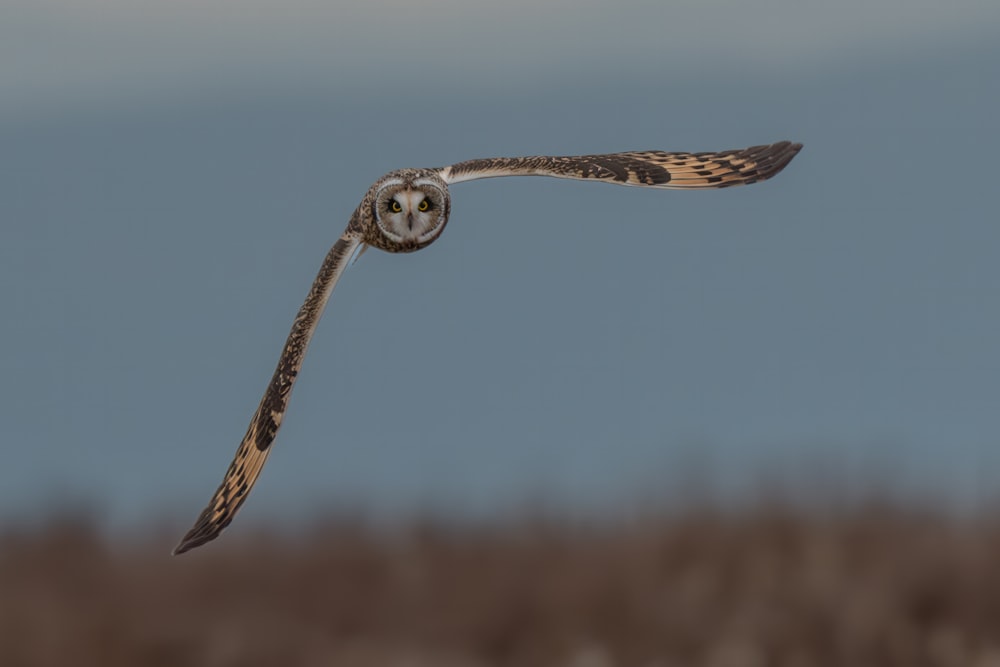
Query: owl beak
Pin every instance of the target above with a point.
(409, 220)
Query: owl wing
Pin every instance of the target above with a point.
(256, 444)
(655, 169)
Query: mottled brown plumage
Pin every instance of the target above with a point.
(642, 168)
(264, 425)
(406, 210)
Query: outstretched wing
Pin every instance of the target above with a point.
(655, 169)
(253, 451)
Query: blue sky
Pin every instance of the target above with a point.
(174, 173)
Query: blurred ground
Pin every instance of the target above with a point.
(770, 586)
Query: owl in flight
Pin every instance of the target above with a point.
(408, 209)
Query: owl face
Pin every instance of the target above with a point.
(410, 212)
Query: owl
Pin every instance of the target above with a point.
(408, 209)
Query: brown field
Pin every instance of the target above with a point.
(770, 586)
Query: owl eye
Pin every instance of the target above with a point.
(395, 206)
(424, 205)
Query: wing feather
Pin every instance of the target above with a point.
(256, 444)
(655, 169)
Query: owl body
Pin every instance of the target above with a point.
(407, 210)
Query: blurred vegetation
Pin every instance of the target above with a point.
(770, 586)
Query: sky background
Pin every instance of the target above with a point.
(172, 174)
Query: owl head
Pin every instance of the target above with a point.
(408, 210)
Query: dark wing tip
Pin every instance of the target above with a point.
(205, 529)
(188, 542)
(182, 547)
(772, 158)
(193, 539)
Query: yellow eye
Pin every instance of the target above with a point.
(424, 205)
(395, 206)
